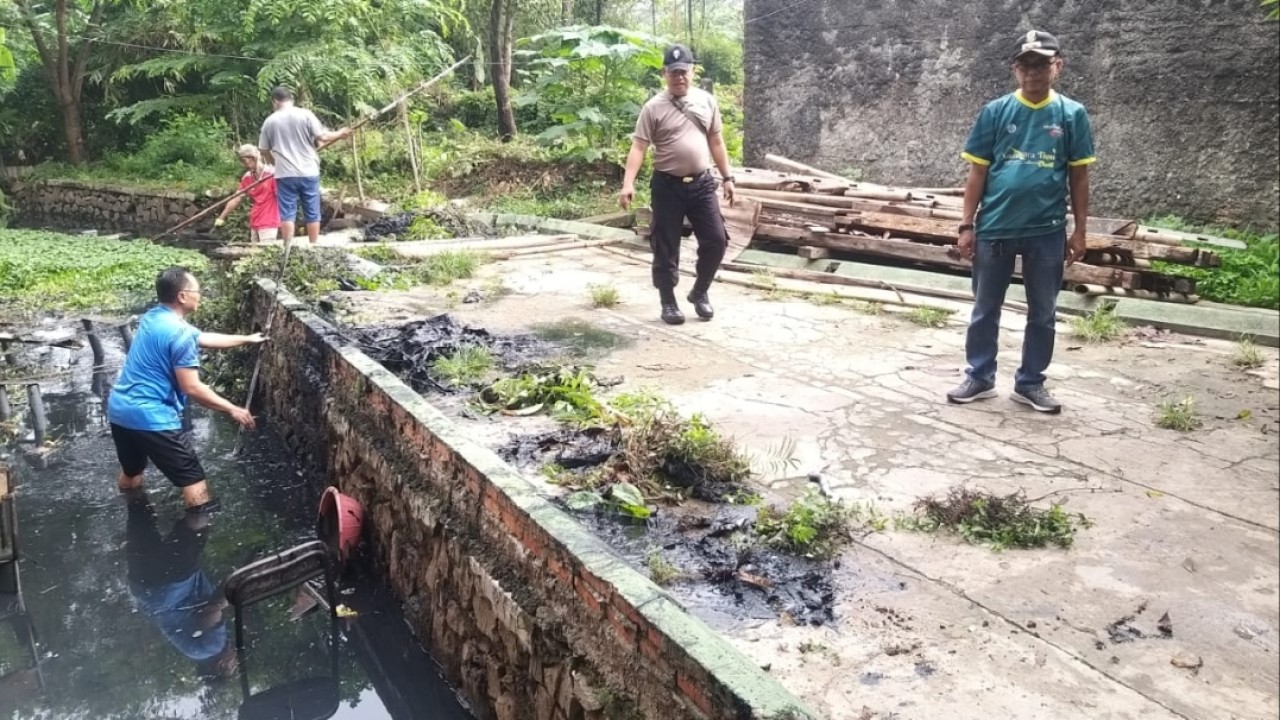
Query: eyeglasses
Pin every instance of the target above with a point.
(1033, 66)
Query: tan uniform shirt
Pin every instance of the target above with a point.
(680, 147)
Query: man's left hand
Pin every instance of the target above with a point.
(255, 339)
(1075, 247)
(729, 193)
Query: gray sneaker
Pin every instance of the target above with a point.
(1038, 398)
(971, 390)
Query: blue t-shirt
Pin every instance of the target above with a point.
(146, 396)
(1027, 148)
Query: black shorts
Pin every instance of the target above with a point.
(171, 450)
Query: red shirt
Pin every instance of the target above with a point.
(264, 212)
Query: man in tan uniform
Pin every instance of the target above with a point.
(683, 126)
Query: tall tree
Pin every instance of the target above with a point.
(502, 17)
(63, 32)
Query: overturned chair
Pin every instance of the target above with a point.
(314, 698)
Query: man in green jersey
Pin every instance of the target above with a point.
(1026, 153)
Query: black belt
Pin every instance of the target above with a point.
(684, 178)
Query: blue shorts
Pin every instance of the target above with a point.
(289, 190)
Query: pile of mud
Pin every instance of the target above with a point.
(409, 350)
(396, 227)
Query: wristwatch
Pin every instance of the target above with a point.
(729, 179)
(964, 226)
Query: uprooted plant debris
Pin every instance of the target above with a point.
(668, 456)
(414, 350)
(430, 224)
(998, 521)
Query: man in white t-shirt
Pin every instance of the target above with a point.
(288, 141)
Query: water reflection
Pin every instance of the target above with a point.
(169, 585)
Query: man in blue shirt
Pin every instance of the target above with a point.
(160, 372)
(1026, 152)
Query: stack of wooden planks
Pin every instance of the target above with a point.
(823, 215)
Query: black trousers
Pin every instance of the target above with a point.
(673, 200)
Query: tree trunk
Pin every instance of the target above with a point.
(599, 11)
(66, 69)
(72, 129)
(566, 12)
(501, 21)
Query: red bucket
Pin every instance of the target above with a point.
(339, 523)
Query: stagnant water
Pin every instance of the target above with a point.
(119, 594)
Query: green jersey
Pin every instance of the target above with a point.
(1027, 148)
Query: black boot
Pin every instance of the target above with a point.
(702, 304)
(671, 314)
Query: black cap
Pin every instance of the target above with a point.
(1040, 43)
(678, 57)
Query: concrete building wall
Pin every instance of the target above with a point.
(1183, 95)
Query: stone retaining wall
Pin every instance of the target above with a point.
(532, 617)
(64, 203)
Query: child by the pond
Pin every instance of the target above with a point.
(264, 213)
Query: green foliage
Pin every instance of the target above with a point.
(592, 82)
(1180, 415)
(8, 68)
(55, 272)
(1098, 326)
(721, 59)
(564, 393)
(1274, 12)
(997, 521)
(444, 267)
(464, 366)
(1247, 355)
(5, 211)
(812, 526)
(603, 296)
(929, 316)
(1247, 277)
(661, 571)
(425, 227)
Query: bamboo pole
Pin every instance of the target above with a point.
(355, 159)
(413, 150)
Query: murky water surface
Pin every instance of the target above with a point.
(123, 597)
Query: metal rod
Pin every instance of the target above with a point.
(39, 421)
(95, 343)
(126, 333)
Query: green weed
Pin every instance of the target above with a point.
(1098, 326)
(997, 521)
(1247, 277)
(660, 571)
(1178, 415)
(869, 307)
(565, 393)
(603, 296)
(425, 227)
(1247, 355)
(56, 272)
(929, 316)
(464, 366)
(382, 254)
(444, 267)
(812, 526)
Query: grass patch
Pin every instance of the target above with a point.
(869, 307)
(826, 298)
(1101, 325)
(812, 526)
(1180, 415)
(929, 316)
(661, 572)
(603, 296)
(55, 272)
(382, 254)
(1247, 355)
(444, 267)
(465, 366)
(1247, 277)
(997, 521)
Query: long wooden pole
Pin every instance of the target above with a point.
(355, 126)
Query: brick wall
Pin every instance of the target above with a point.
(532, 617)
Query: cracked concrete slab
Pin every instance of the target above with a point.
(928, 626)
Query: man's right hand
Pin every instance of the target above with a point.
(243, 417)
(966, 245)
(627, 195)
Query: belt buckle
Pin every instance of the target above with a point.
(686, 179)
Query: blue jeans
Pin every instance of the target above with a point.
(993, 265)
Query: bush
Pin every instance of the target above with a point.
(1247, 277)
(187, 142)
(721, 58)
